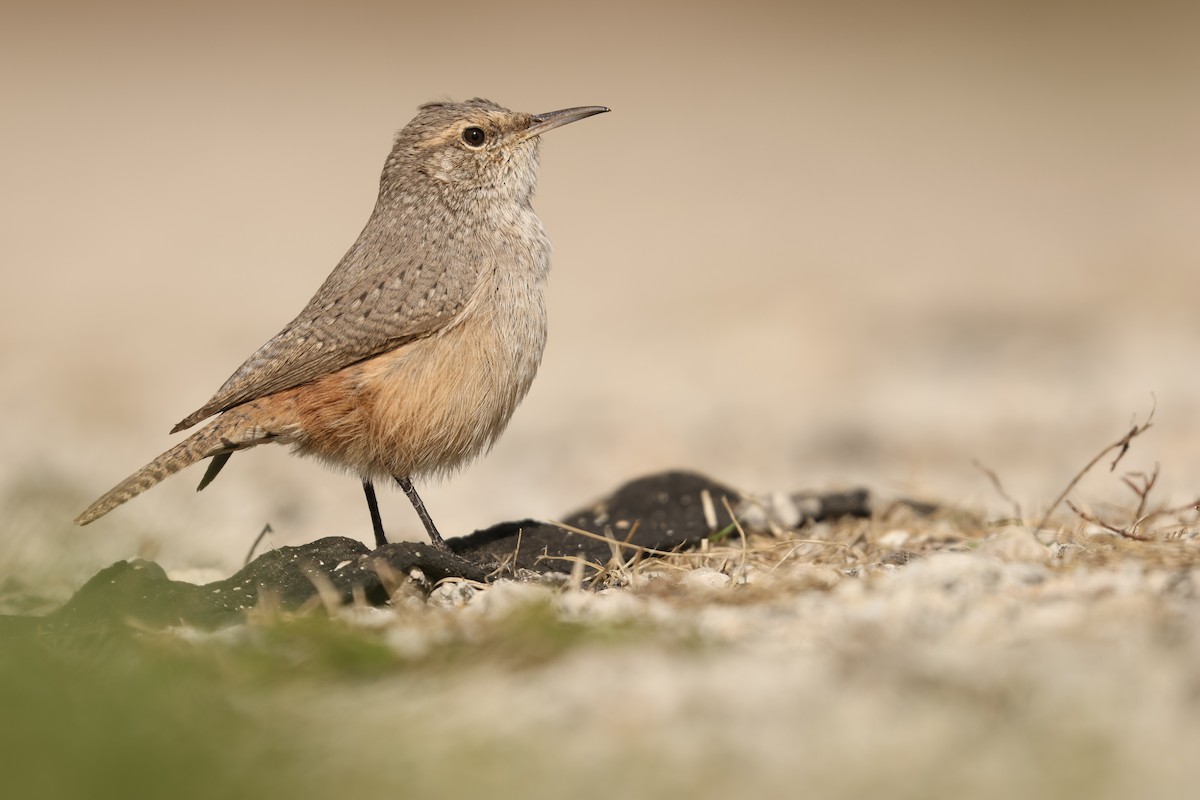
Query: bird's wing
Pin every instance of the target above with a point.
(359, 312)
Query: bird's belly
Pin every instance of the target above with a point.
(426, 407)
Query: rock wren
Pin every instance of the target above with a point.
(416, 350)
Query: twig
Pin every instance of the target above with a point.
(999, 487)
(1166, 512)
(1134, 432)
(1122, 445)
(266, 529)
(1142, 489)
(1093, 519)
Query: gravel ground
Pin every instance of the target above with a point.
(989, 664)
(909, 655)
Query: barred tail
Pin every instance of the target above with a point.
(219, 436)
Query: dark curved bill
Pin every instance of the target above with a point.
(554, 119)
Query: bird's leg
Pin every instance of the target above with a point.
(373, 507)
(427, 520)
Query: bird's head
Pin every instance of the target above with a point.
(474, 150)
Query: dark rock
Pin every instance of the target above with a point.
(137, 591)
(661, 512)
(818, 506)
(376, 573)
(291, 574)
(140, 591)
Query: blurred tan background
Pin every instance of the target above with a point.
(813, 245)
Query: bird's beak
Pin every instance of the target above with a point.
(553, 119)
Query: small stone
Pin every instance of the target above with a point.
(705, 578)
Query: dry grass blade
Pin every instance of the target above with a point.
(509, 564)
(609, 539)
(710, 512)
(388, 576)
(701, 554)
(791, 552)
(325, 590)
(999, 487)
(577, 570)
(741, 576)
(576, 562)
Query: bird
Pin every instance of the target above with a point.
(412, 356)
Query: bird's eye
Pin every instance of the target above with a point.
(474, 137)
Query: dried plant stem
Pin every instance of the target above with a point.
(1121, 445)
(999, 487)
(254, 546)
(1093, 519)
